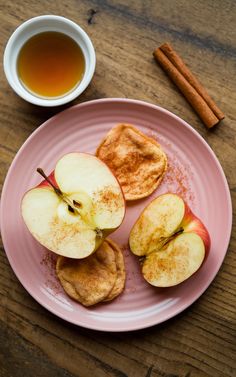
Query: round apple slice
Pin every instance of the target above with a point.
(76, 207)
(137, 160)
(89, 280)
(175, 262)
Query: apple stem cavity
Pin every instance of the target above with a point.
(56, 189)
(179, 231)
(73, 205)
(164, 241)
(168, 239)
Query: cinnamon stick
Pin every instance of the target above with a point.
(189, 85)
(181, 66)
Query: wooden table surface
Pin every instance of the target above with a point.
(201, 341)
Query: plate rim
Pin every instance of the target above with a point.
(147, 324)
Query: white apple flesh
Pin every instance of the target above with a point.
(171, 241)
(79, 204)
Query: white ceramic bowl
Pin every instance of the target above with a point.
(38, 25)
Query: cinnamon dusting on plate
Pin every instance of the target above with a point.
(176, 181)
(178, 176)
(48, 262)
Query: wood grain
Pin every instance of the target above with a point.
(202, 340)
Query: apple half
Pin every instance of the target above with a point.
(76, 207)
(170, 240)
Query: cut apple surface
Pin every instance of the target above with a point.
(76, 207)
(175, 262)
(171, 241)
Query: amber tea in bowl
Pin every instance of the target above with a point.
(50, 64)
(49, 60)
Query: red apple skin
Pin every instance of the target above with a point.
(191, 223)
(51, 177)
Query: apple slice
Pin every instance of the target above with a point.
(170, 240)
(76, 207)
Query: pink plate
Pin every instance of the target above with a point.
(194, 172)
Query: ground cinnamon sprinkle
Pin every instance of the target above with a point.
(108, 197)
(177, 177)
(48, 261)
(177, 181)
(133, 271)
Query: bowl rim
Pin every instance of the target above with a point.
(31, 97)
